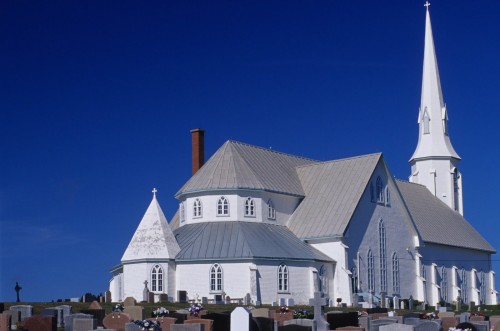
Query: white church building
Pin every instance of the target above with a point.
(265, 226)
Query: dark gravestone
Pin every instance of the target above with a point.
(222, 322)
(376, 310)
(264, 323)
(294, 327)
(2, 307)
(218, 299)
(182, 295)
(337, 320)
(98, 314)
(179, 317)
(40, 323)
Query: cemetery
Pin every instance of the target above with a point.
(129, 315)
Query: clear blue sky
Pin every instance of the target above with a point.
(97, 99)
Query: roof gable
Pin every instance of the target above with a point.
(153, 238)
(332, 192)
(438, 223)
(240, 166)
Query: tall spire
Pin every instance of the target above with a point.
(434, 162)
(433, 138)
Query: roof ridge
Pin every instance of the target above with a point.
(379, 154)
(271, 150)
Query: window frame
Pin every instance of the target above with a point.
(156, 278)
(222, 207)
(249, 207)
(283, 278)
(271, 211)
(197, 208)
(216, 278)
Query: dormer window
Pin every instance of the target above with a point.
(223, 207)
(271, 212)
(249, 207)
(197, 208)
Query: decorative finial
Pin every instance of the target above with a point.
(427, 4)
(154, 192)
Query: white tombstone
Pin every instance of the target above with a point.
(396, 302)
(290, 302)
(318, 302)
(396, 327)
(240, 319)
(402, 305)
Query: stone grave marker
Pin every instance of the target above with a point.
(247, 300)
(264, 324)
(222, 322)
(402, 304)
(260, 312)
(395, 301)
(68, 320)
(494, 319)
(135, 312)
(129, 301)
(318, 302)
(464, 317)
(98, 314)
(396, 327)
(355, 299)
(303, 322)
(40, 323)
(382, 300)
(428, 326)
(25, 310)
(449, 322)
(475, 318)
(281, 317)
(165, 322)
(107, 296)
(4, 322)
(186, 327)
(145, 292)
(116, 321)
(410, 303)
(472, 306)
(337, 320)
(15, 316)
(182, 296)
(66, 311)
(290, 302)
(207, 324)
(163, 297)
(370, 300)
(83, 324)
(481, 325)
(412, 321)
(151, 297)
(376, 324)
(240, 319)
(132, 327)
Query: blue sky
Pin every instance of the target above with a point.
(97, 99)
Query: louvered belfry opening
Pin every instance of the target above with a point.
(198, 149)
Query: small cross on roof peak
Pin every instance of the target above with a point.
(427, 4)
(154, 191)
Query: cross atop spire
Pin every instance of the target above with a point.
(427, 4)
(154, 191)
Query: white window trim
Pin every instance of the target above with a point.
(217, 207)
(284, 277)
(213, 273)
(271, 211)
(249, 207)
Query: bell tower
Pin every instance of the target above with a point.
(434, 163)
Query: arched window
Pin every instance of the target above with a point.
(323, 279)
(157, 279)
(222, 207)
(380, 190)
(444, 284)
(282, 278)
(197, 208)
(382, 257)
(371, 272)
(216, 278)
(395, 274)
(464, 287)
(249, 207)
(182, 215)
(426, 119)
(271, 212)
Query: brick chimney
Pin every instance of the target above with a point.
(198, 148)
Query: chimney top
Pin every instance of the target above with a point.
(198, 149)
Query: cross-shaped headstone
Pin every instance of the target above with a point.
(318, 302)
(145, 284)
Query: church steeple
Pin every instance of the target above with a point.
(434, 162)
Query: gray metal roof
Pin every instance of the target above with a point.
(332, 192)
(240, 166)
(436, 222)
(242, 240)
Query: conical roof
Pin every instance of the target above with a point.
(153, 238)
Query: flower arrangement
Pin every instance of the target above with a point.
(428, 316)
(148, 325)
(160, 312)
(284, 310)
(195, 309)
(118, 308)
(301, 313)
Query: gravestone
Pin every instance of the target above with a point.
(428, 326)
(4, 322)
(410, 303)
(163, 297)
(107, 296)
(132, 327)
(135, 312)
(165, 322)
(290, 302)
(402, 304)
(388, 302)
(68, 320)
(449, 322)
(66, 311)
(337, 320)
(260, 312)
(116, 321)
(481, 325)
(370, 300)
(25, 310)
(40, 323)
(395, 301)
(186, 327)
(281, 317)
(475, 318)
(264, 324)
(472, 306)
(375, 325)
(355, 299)
(318, 302)
(464, 317)
(129, 301)
(98, 314)
(396, 327)
(303, 322)
(412, 321)
(182, 296)
(295, 327)
(145, 292)
(83, 324)
(240, 319)
(382, 300)
(151, 297)
(494, 319)
(222, 322)
(247, 300)
(55, 312)
(207, 324)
